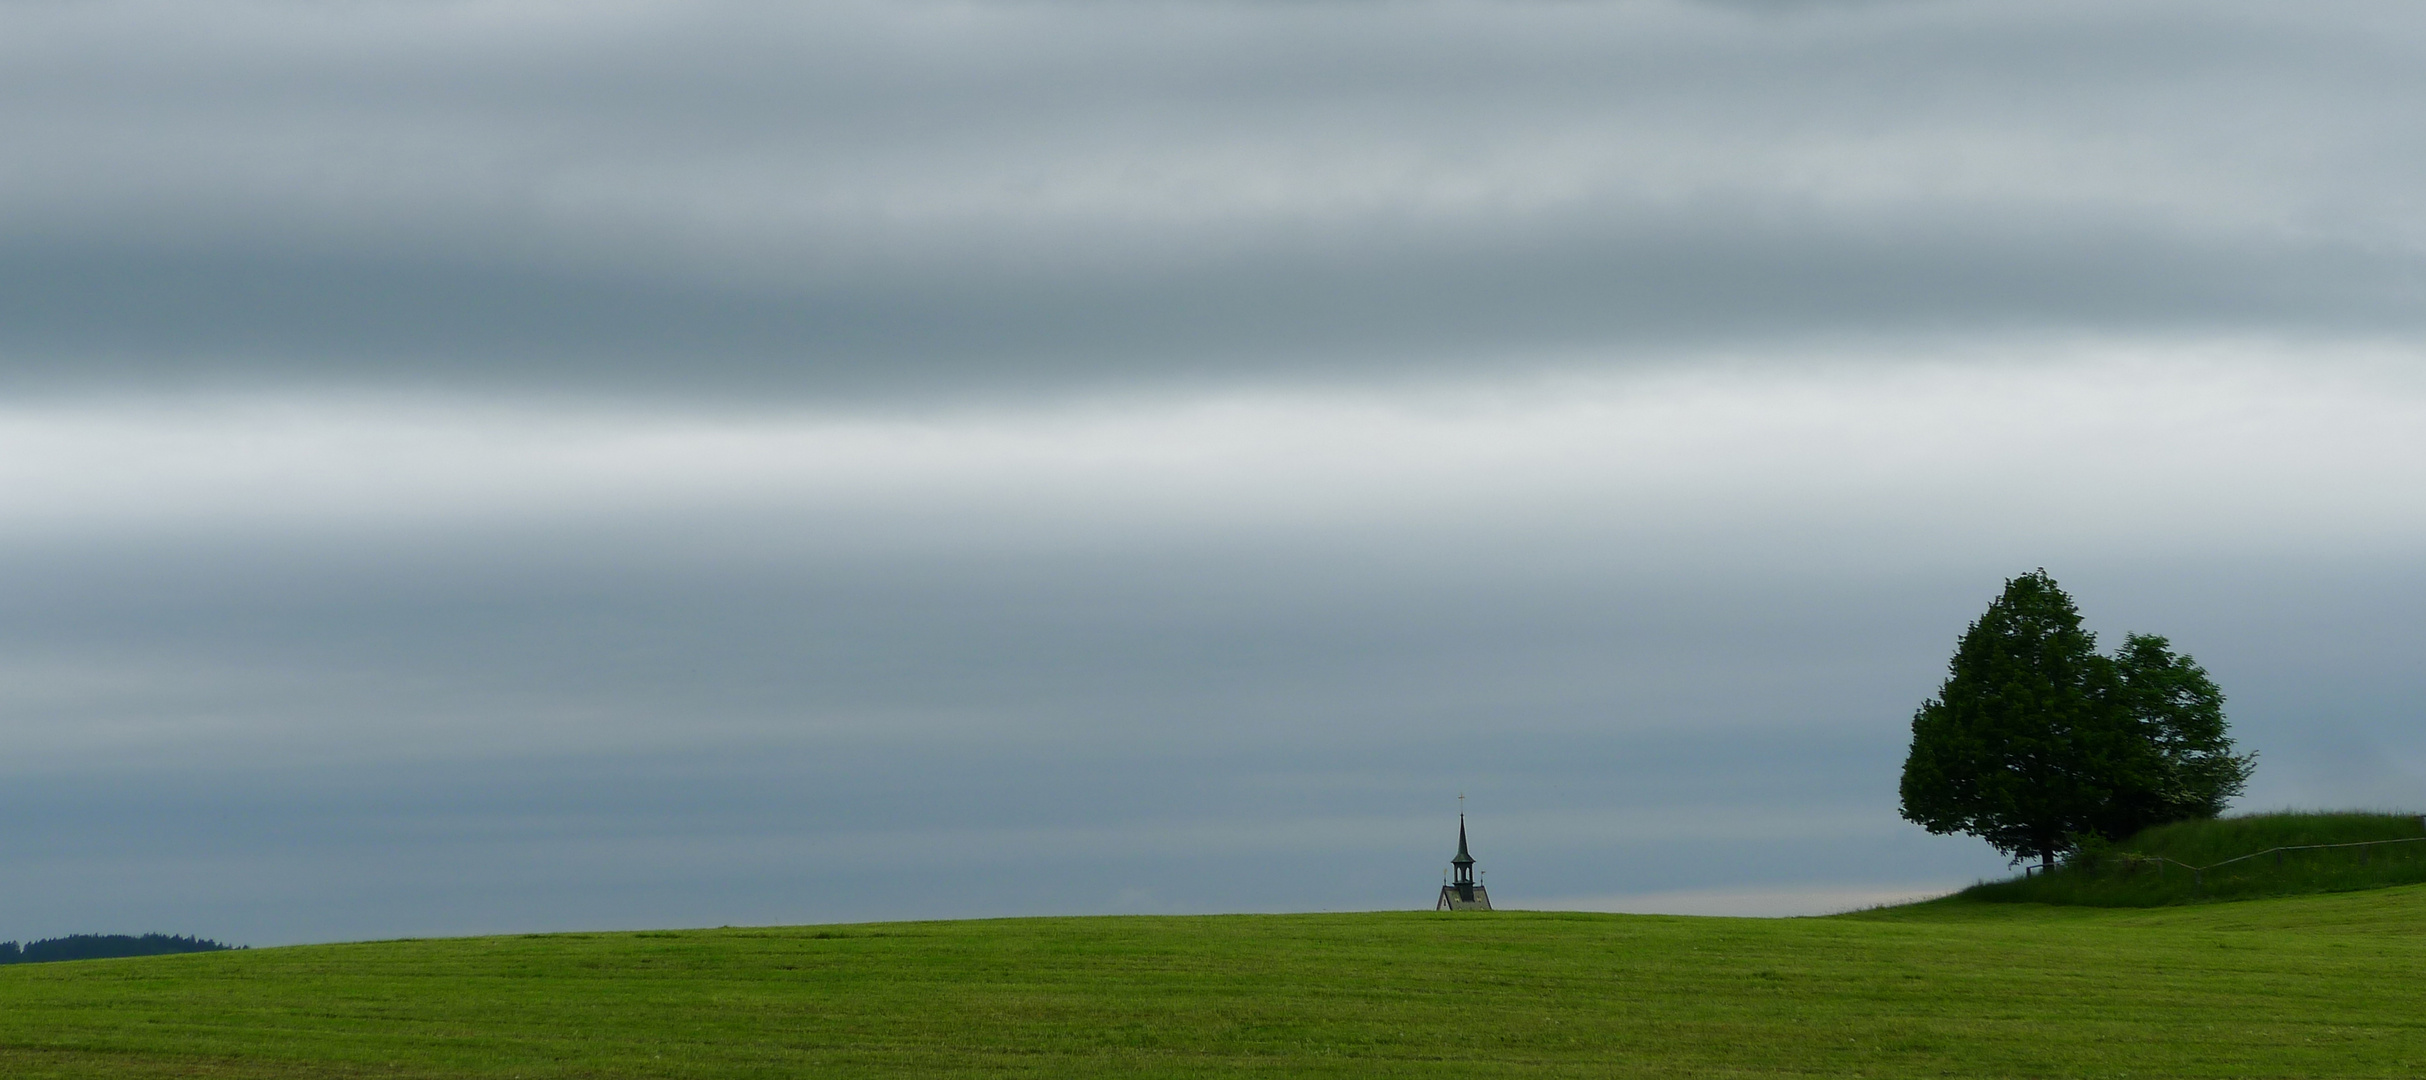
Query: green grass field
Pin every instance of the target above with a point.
(2325, 985)
(2326, 852)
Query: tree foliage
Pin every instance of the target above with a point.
(2036, 741)
(99, 946)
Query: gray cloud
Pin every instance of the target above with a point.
(283, 745)
(854, 200)
(503, 466)
(1536, 302)
(393, 671)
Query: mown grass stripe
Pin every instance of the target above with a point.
(2308, 986)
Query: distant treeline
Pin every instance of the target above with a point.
(102, 946)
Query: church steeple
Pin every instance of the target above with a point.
(1461, 893)
(1464, 862)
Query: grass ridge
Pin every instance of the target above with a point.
(2228, 859)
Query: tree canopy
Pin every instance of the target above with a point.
(98, 946)
(2035, 741)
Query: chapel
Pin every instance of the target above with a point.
(1461, 893)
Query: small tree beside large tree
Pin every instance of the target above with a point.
(2035, 741)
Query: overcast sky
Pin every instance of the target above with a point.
(517, 466)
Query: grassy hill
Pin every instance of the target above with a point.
(2281, 854)
(2327, 985)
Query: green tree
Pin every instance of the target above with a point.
(2009, 749)
(2035, 740)
(2175, 715)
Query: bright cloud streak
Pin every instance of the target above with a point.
(2110, 444)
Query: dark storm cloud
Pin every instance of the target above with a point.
(632, 726)
(970, 198)
(1612, 411)
(290, 671)
(312, 744)
(223, 318)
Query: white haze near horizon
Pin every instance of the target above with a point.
(520, 466)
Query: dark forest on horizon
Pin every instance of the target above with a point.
(103, 946)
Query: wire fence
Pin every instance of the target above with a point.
(2198, 874)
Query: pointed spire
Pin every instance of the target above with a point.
(1462, 893)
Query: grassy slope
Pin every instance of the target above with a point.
(2307, 986)
(2204, 842)
(2118, 882)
